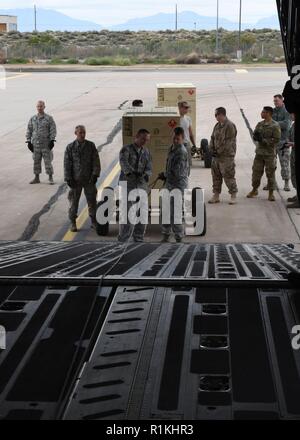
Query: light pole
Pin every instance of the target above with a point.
(239, 53)
(35, 28)
(217, 33)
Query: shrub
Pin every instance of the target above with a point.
(109, 61)
(18, 60)
(119, 61)
(101, 61)
(72, 61)
(192, 58)
(56, 61)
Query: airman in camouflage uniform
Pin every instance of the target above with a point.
(176, 177)
(82, 169)
(294, 203)
(267, 136)
(40, 138)
(223, 149)
(291, 143)
(136, 170)
(281, 115)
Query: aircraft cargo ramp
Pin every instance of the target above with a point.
(156, 332)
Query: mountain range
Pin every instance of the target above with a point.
(53, 20)
(48, 19)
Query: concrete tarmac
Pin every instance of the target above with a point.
(98, 99)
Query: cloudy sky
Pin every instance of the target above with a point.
(108, 12)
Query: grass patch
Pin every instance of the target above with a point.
(109, 61)
(57, 61)
(18, 61)
(72, 61)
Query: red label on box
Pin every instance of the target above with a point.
(172, 123)
(191, 92)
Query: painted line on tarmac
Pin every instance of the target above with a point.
(83, 216)
(241, 71)
(20, 75)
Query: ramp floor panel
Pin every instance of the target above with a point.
(86, 259)
(190, 349)
(174, 358)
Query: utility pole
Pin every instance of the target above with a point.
(217, 32)
(35, 28)
(239, 53)
(176, 18)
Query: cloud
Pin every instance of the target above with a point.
(118, 11)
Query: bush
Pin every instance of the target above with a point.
(103, 61)
(180, 59)
(119, 61)
(72, 61)
(18, 61)
(56, 61)
(109, 61)
(126, 48)
(192, 58)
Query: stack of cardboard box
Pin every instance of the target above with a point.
(160, 122)
(169, 94)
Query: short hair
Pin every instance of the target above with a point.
(183, 104)
(179, 131)
(268, 110)
(142, 131)
(221, 111)
(80, 127)
(279, 96)
(40, 101)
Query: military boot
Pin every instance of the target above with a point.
(51, 181)
(252, 194)
(233, 200)
(73, 227)
(271, 197)
(287, 185)
(165, 239)
(215, 199)
(292, 199)
(35, 180)
(294, 205)
(94, 224)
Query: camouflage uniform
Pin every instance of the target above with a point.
(81, 165)
(186, 124)
(265, 158)
(283, 118)
(177, 172)
(136, 170)
(293, 157)
(41, 130)
(223, 149)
